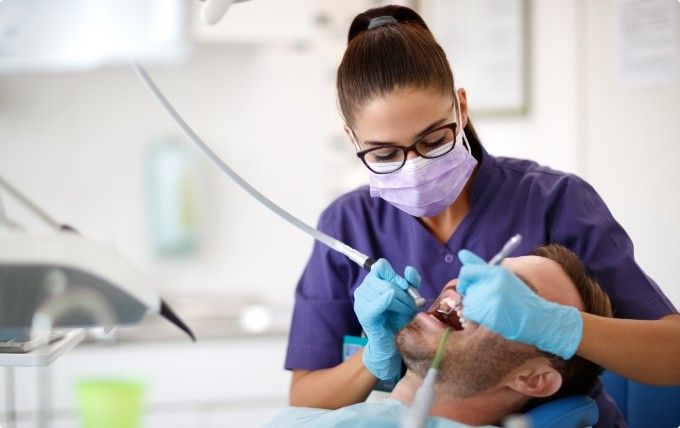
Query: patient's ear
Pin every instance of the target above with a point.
(535, 378)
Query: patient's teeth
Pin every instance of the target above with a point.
(447, 305)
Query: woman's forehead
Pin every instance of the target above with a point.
(401, 114)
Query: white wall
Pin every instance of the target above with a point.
(547, 133)
(630, 145)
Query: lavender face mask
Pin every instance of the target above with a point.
(424, 187)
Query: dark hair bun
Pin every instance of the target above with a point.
(390, 55)
(402, 14)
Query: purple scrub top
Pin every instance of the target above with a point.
(508, 196)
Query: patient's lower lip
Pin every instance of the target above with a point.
(431, 320)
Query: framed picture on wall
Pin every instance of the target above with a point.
(487, 44)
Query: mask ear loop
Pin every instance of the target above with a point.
(456, 103)
(354, 139)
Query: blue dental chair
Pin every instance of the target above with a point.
(569, 412)
(643, 406)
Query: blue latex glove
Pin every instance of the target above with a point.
(383, 307)
(495, 298)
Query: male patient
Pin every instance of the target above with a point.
(483, 377)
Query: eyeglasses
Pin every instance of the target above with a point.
(390, 158)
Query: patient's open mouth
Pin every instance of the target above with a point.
(450, 318)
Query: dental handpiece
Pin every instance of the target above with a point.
(412, 291)
(354, 255)
(507, 249)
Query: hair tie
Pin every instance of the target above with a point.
(381, 20)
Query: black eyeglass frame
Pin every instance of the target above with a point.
(453, 126)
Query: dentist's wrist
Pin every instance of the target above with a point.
(383, 365)
(563, 331)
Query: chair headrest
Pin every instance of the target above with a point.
(574, 411)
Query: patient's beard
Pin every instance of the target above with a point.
(417, 348)
(469, 366)
(466, 372)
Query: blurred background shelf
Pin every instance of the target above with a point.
(212, 383)
(43, 356)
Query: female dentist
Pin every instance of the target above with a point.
(434, 190)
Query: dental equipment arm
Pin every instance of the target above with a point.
(354, 255)
(28, 204)
(37, 268)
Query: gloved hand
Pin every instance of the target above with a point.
(383, 307)
(495, 298)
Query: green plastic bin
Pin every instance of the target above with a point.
(110, 403)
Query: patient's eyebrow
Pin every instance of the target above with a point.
(526, 281)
